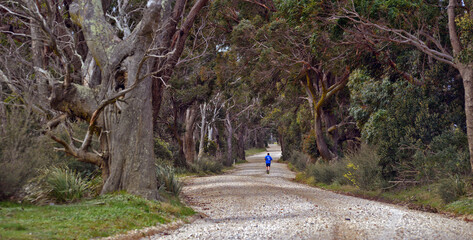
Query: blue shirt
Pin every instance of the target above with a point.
(268, 159)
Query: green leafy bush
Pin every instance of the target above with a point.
(167, 180)
(450, 189)
(57, 184)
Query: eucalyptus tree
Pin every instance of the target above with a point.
(102, 62)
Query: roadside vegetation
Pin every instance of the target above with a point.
(103, 216)
(360, 174)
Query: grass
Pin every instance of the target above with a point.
(107, 215)
(253, 151)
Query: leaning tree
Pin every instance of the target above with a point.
(104, 62)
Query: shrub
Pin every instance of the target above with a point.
(22, 151)
(327, 173)
(57, 184)
(363, 168)
(310, 146)
(450, 189)
(167, 180)
(207, 165)
(299, 160)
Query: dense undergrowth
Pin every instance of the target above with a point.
(360, 174)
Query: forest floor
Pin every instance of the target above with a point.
(247, 203)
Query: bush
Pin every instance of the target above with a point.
(207, 165)
(22, 151)
(167, 180)
(451, 189)
(310, 146)
(57, 184)
(363, 168)
(299, 160)
(327, 173)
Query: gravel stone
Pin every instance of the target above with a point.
(247, 203)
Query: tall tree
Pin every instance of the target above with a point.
(119, 108)
(425, 30)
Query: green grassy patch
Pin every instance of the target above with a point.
(462, 206)
(253, 151)
(104, 216)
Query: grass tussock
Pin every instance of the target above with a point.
(101, 217)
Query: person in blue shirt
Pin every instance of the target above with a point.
(268, 162)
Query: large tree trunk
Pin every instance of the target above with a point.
(130, 145)
(319, 136)
(466, 72)
(330, 120)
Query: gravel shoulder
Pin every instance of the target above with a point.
(247, 203)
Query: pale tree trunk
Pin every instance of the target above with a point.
(203, 127)
(466, 71)
(188, 141)
(229, 133)
(467, 74)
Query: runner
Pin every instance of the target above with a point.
(268, 162)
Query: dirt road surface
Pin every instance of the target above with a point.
(247, 203)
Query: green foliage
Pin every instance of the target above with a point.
(57, 184)
(462, 206)
(465, 29)
(450, 189)
(161, 150)
(400, 117)
(210, 147)
(167, 180)
(360, 169)
(310, 146)
(447, 154)
(104, 216)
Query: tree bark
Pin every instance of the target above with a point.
(466, 71)
(203, 127)
(319, 136)
(229, 133)
(188, 142)
(130, 146)
(241, 143)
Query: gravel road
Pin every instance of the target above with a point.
(247, 203)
